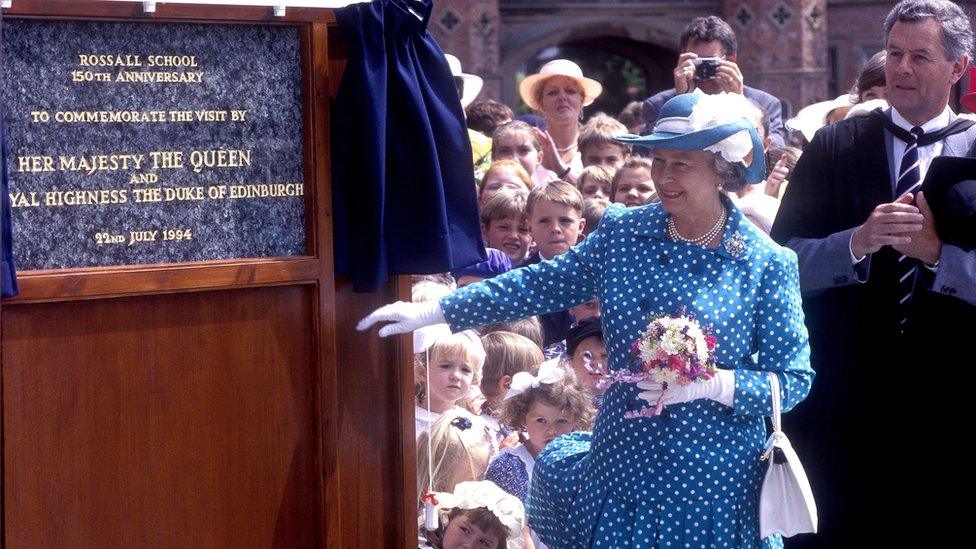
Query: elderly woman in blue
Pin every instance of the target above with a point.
(691, 476)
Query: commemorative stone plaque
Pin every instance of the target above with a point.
(139, 143)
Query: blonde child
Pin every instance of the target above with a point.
(506, 354)
(503, 174)
(477, 514)
(544, 405)
(504, 225)
(457, 447)
(632, 184)
(446, 368)
(596, 144)
(517, 141)
(595, 181)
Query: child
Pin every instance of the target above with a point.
(595, 181)
(528, 327)
(446, 370)
(544, 406)
(506, 354)
(593, 211)
(485, 116)
(587, 354)
(632, 184)
(504, 225)
(516, 141)
(596, 144)
(503, 174)
(577, 314)
(457, 448)
(496, 264)
(477, 515)
(555, 212)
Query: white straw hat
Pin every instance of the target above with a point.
(558, 67)
(811, 118)
(472, 84)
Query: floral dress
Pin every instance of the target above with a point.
(690, 477)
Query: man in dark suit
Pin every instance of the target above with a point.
(712, 37)
(890, 308)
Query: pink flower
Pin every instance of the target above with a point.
(676, 363)
(710, 342)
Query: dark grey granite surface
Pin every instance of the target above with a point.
(244, 67)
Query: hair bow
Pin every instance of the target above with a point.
(549, 372)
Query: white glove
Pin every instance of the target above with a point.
(721, 389)
(405, 317)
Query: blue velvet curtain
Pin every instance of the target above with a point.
(403, 185)
(7, 272)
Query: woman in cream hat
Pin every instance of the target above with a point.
(559, 91)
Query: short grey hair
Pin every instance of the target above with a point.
(957, 32)
(732, 174)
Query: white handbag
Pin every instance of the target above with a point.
(786, 504)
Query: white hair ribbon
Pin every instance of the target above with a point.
(549, 372)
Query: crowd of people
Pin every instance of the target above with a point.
(529, 434)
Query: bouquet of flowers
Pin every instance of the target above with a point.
(673, 349)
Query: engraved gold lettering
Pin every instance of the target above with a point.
(35, 164)
(220, 158)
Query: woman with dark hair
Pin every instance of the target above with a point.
(870, 82)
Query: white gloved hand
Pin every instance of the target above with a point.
(721, 389)
(405, 317)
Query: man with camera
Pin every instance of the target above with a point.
(707, 62)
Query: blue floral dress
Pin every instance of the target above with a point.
(691, 477)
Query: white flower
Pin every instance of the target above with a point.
(724, 108)
(665, 375)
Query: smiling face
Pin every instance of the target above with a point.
(511, 236)
(589, 374)
(917, 73)
(451, 376)
(543, 423)
(555, 227)
(634, 188)
(562, 99)
(685, 181)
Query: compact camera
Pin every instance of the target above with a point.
(705, 67)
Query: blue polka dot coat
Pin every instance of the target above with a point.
(691, 477)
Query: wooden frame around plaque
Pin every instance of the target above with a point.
(354, 392)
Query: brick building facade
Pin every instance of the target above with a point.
(802, 51)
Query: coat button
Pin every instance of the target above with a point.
(697, 269)
(663, 259)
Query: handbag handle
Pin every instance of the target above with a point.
(776, 418)
(777, 404)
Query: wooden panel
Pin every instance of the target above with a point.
(163, 421)
(376, 447)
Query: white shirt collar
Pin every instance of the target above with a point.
(939, 122)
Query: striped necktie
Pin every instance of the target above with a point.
(909, 175)
(909, 179)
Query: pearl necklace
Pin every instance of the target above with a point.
(702, 240)
(567, 149)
